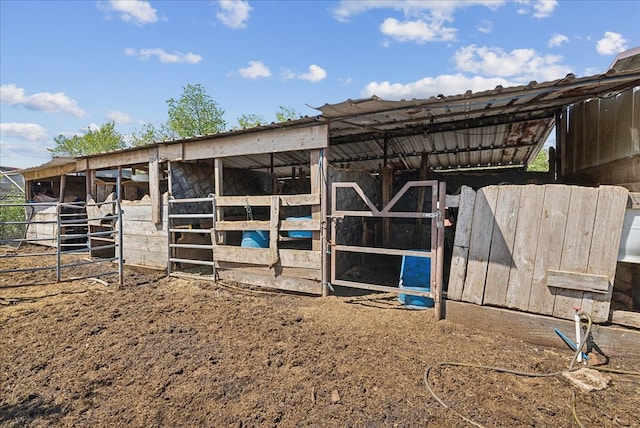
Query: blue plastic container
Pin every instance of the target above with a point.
(415, 274)
(255, 239)
(300, 233)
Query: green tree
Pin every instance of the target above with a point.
(250, 120)
(540, 163)
(286, 113)
(195, 113)
(103, 139)
(151, 134)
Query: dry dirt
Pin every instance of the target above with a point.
(178, 352)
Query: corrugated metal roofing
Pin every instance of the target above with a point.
(499, 127)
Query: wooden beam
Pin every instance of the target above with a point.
(263, 142)
(538, 329)
(279, 282)
(461, 240)
(578, 281)
(387, 185)
(265, 200)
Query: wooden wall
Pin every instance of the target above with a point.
(144, 243)
(602, 141)
(541, 249)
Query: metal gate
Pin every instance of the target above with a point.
(435, 253)
(189, 234)
(64, 229)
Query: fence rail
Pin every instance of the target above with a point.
(71, 234)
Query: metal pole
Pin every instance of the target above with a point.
(58, 242)
(170, 205)
(120, 233)
(440, 250)
(213, 225)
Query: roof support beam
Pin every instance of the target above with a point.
(447, 126)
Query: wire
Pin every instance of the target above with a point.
(585, 315)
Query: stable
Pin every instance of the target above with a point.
(352, 197)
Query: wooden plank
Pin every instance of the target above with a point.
(480, 244)
(501, 256)
(627, 318)
(452, 201)
(553, 221)
(265, 200)
(270, 281)
(605, 244)
(293, 272)
(385, 251)
(575, 249)
(524, 247)
(460, 252)
(538, 329)
(260, 142)
(262, 256)
(578, 281)
(146, 258)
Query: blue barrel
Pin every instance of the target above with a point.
(415, 274)
(255, 239)
(300, 233)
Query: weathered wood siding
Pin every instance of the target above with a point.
(144, 243)
(602, 143)
(541, 249)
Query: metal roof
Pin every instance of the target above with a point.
(494, 128)
(499, 127)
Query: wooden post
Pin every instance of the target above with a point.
(154, 188)
(93, 190)
(316, 210)
(218, 172)
(440, 252)
(552, 164)
(87, 177)
(417, 237)
(63, 185)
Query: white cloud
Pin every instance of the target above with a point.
(541, 8)
(255, 70)
(119, 117)
(520, 64)
(315, 74)
(27, 131)
(137, 11)
(42, 101)
(234, 13)
(424, 20)
(611, 43)
(441, 9)
(418, 31)
(485, 27)
(557, 39)
(432, 86)
(163, 56)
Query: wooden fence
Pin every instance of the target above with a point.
(541, 249)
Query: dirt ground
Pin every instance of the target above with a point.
(176, 352)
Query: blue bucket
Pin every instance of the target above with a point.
(300, 233)
(255, 239)
(415, 274)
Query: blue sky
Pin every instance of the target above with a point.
(66, 66)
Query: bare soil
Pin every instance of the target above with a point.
(176, 352)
